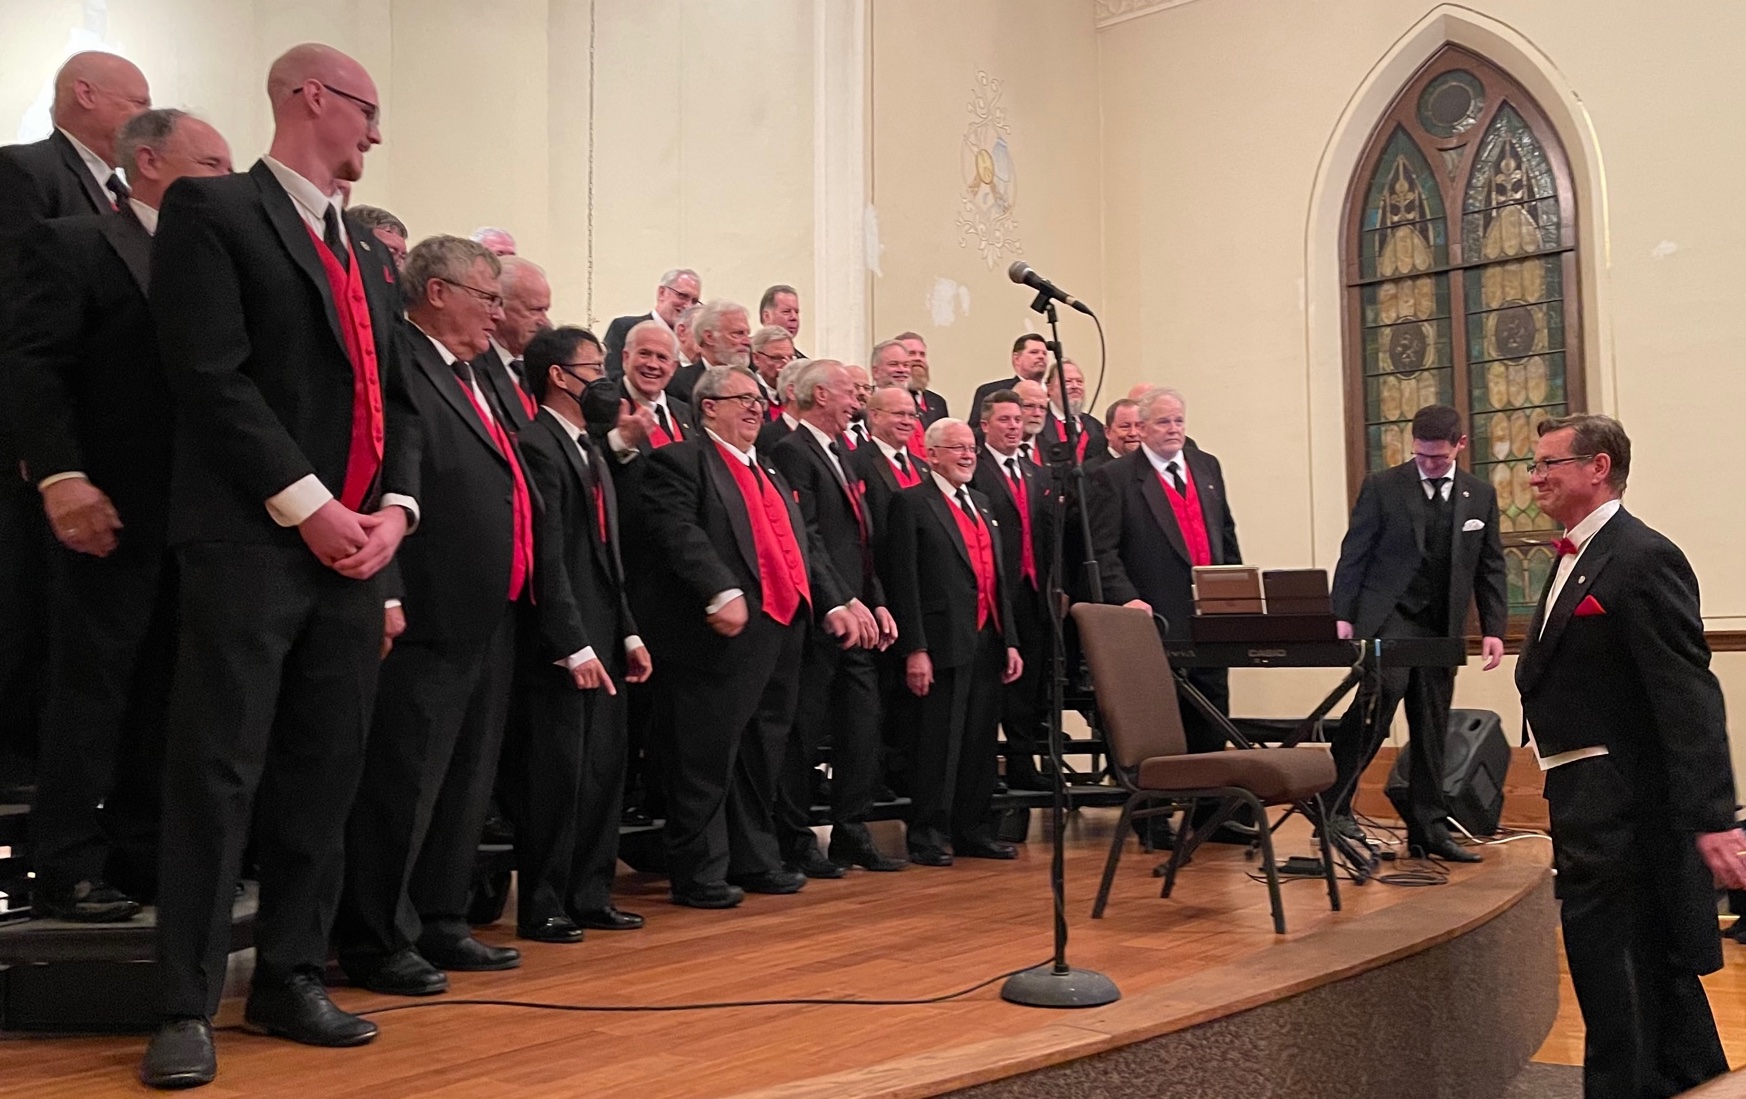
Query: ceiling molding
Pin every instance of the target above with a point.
(1108, 13)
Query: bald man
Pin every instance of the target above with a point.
(497, 241)
(295, 478)
(70, 172)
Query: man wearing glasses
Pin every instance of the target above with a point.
(772, 349)
(679, 289)
(1423, 546)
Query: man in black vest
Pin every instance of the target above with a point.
(1422, 546)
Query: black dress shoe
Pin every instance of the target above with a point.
(299, 1009)
(180, 1056)
(717, 894)
(635, 818)
(865, 856)
(1446, 849)
(991, 849)
(86, 902)
(813, 864)
(552, 929)
(469, 955)
(774, 882)
(402, 973)
(929, 856)
(608, 919)
(498, 831)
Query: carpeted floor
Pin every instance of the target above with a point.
(1546, 1082)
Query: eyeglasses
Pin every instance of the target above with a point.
(595, 365)
(783, 359)
(369, 110)
(954, 448)
(750, 400)
(1546, 466)
(684, 298)
(494, 301)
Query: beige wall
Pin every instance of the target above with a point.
(926, 56)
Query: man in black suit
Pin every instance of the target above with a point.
(294, 479)
(780, 306)
(772, 349)
(942, 570)
(569, 742)
(1054, 434)
(1422, 547)
(889, 363)
(886, 467)
(1156, 514)
(1021, 498)
(678, 290)
(91, 411)
(527, 303)
(1626, 719)
(386, 228)
(1030, 362)
(787, 420)
(929, 404)
(440, 712)
(730, 582)
(839, 688)
(1121, 422)
(70, 172)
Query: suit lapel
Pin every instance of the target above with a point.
(729, 491)
(1153, 490)
(101, 203)
(1543, 642)
(1412, 501)
(942, 513)
(586, 476)
(443, 378)
(294, 235)
(132, 244)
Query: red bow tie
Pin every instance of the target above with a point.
(1562, 546)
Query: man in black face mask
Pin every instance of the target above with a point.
(575, 657)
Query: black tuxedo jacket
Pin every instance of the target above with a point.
(45, 179)
(974, 416)
(879, 483)
(826, 506)
(615, 334)
(257, 366)
(504, 388)
(930, 581)
(990, 479)
(773, 432)
(1386, 542)
(1056, 449)
(87, 390)
(1096, 460)
(455, 568)
(1141, 553)
(578, 578)
(933, 407)
(684, 380)
(695, 541)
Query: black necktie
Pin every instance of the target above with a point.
(519, 370)
(1012, 470)
(661, 418)
(1176, 479)
(902, 462)
(117, 188)
(331, 234)
(1436, 484)
(1025, 450)
(964, 502)
(841, 464)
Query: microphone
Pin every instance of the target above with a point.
(1021, 273)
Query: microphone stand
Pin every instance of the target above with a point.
(1055, 983)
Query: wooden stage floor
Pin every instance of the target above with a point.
(918, 933)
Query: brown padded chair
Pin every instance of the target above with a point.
(1136, 696)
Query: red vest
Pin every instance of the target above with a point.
(1022, 499)
(781, 569)
(1061, 434)
(364, 455)
(1189, 517)
(520, 503)
(528, 404)
(659, 438)
(918, 441)
(976, 540)
(910, 479)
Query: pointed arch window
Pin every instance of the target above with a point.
(1461, 288)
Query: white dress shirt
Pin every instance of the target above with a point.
(1164, 465)
(615, 439)
(1581, 534)
(1447, 486)
(305, 496)
(824, 441)
(99, 169)
(583, 655)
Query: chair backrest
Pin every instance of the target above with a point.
(1136, 693)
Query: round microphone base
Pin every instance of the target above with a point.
(1045, 986)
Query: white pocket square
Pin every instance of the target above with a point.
(1473, 524)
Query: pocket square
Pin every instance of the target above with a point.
(1589, 606)
(1473, 524)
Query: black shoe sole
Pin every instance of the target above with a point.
(475, 967)
(544, 937)
(694, 902)
(325, 1041)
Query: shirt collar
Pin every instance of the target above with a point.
(99, 169)
(748, 456)
(570, 429)
(999, 458)
(823, 439)
(944, 486)
(448, 356)
(311, 203)
(1162, 464)
(660, 320)
(1592, 523)
(885, 448)
(148, 217)
(659, 401)
(503, 354)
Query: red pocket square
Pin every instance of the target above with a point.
(1589, 605)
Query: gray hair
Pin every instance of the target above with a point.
(442, 257)
(146, 130)
(768, 335)
(513, 268)
(937, 430)
(678, 273)
(486, 232)
(374, 217)
(709, 318)
(715, 380)
(815, 373)
(688, 316)
(880, 347)
(1157, 393)
(786, 376)
(630, 338)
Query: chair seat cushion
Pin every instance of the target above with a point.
(1274, 775)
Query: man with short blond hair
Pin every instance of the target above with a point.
(499, 242)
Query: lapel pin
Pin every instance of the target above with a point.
(1582, 579)
(1465, 494)
(363, 245)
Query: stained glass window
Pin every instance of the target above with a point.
(1461, 276)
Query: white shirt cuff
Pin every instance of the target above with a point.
(576, 659)
(633, 643)
(624, 451)
(390, 604)
(722, 600)
(395, 499)
(297, 502)
(57, 478)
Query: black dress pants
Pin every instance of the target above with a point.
(1024, 701)
(723, 753)
(275, 674)
(413, 836)
(23, 625)
(952, 771)
(1639, 919)
(839, 703)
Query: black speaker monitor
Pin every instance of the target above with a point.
(1475, 762)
